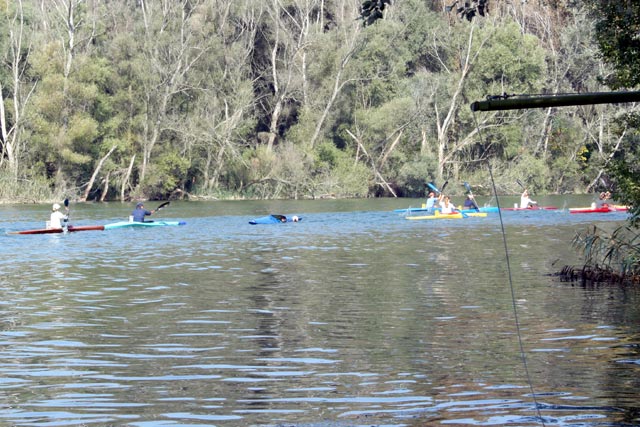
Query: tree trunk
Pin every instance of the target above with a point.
(95, 174)
(378, 175)
(125, 180)
(106, 187)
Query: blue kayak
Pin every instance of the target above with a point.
(125, 224)
(485, 209)
(275, 219)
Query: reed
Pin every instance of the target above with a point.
(609, 257)
(25, 190)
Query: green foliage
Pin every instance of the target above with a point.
(302, 131)
(381, 65)
(421, 25)
(510, 59)
(348, 179)
(533, 172)
(617, 28)
(414, 174)
(167, 174)
(189, 93)
(626, 173)
(338, 174)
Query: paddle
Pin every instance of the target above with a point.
(161, 206)
(475, 205)
(65, 222)
(464, 215)
(433, 187)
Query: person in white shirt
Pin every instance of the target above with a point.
(57, 218)
(446, 207)
(526, 202)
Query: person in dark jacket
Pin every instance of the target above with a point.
(470, 203)
(140, 212)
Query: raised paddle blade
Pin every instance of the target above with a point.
(66, 203)
(520, 184)
(162, 206)
(433, 187)
(444, 186)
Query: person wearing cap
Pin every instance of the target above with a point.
(57, 218)
(431, 201)
(140, 212)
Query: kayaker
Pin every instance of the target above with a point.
(57, 218)
(469, 203)
(431, 201)
(602, 201)
(140, 212)
(446, 207)
(526, 202)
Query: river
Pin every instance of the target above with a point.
(353, 316)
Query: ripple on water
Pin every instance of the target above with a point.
(351, 318)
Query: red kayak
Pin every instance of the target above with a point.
(603, 209)
(532, 208)
(70, 229)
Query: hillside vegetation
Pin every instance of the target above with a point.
(120, 99)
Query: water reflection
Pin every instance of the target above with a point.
(347, 318)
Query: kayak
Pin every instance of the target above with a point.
(485, 209)
(534, 208)
(455, 215)
(122, 224)
(275, 219)
(146, 224)
(603, 209)
(70, 229)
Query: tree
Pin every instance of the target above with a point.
(222, 119)
(616, 30)
(14, 82)
(171, 47)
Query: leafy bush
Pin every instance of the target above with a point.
(413, 176)
(617, 252)
(166, 175)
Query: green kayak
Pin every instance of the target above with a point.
(127, 224)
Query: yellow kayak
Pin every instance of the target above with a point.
(455, 215)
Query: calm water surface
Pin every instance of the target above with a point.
(352, 317)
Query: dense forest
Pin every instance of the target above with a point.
(130, 99)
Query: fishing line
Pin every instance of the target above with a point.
(510, 278)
